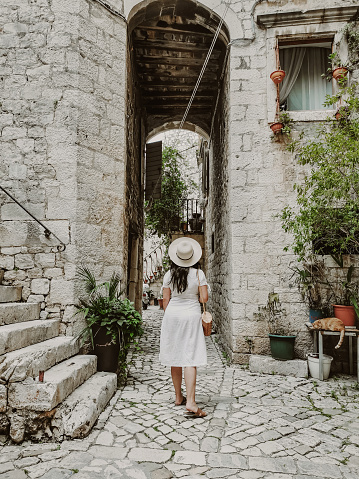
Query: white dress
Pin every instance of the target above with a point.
(182, 339)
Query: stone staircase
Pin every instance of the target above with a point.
(68, 401)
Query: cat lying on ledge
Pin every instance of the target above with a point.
(331, 324)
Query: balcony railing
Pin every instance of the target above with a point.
(192, 215)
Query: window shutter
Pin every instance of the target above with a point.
(153, 170)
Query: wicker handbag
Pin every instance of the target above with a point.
(206, 316)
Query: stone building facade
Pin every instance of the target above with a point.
(75, 117)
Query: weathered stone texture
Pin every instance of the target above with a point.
(63, 144)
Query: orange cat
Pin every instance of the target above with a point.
(331, 324)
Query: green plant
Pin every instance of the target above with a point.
(287, 122)
(163, 215)
(103, 306)
(272, 313)
(335, 62)
(326, 215)
(310, 278)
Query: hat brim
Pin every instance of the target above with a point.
(197, 252)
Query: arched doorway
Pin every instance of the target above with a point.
(168, 42)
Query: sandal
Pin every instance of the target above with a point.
(183, 403)
(198, 413)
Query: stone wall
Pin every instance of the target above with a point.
(262, 174)
(217, 225)
(63, 146)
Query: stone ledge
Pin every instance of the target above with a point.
(18, 312)
(10, 294)
(267, 365)
(19, 335)
(59, 382)
(27, 362)
(78, 413)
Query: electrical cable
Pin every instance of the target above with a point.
(204, 66)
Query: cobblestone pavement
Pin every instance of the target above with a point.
(258, 426)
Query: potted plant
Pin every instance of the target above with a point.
(112, 323)
(281, 343)
(283, 124)
(345, 294)
(277, 76)
(337, 69)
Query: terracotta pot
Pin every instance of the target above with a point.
(345, 313)
(340, 72)
(277, 76)
(276, 127)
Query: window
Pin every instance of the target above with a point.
(303, 87)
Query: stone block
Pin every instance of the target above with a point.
(11, 313)
(40, 286)
(45, 260)
(19, 335)
(10, 294)
(27, 362)
(12, 211)
(267, 365)
(17, 171)
(61, 292)
(143, 454)
(59, 382)
(79, 412)
(13, 233)
(24, 261)
(3, 398)
(7, 262)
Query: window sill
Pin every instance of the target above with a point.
(310, 115)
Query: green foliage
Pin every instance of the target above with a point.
(310, 277)
(164, 215)
(103, 306)
(287, 122)
(327, 201)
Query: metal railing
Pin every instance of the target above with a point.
(192, 215)
(61, 247)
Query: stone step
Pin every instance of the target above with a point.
(27, 362)
(10, 294)
(11, 313)
(20, 335)
(75, 417)
(59, 382)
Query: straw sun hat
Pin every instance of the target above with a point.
(185, 252)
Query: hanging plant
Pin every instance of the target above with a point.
(277, 76)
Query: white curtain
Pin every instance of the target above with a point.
(305, 88)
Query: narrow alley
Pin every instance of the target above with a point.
(258, 426)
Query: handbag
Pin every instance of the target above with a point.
(206, 316)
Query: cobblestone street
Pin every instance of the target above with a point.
(258, 426)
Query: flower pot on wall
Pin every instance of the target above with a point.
(282, 347)
(345, 313)
(340, 72)
(277, 76)
(276, 127)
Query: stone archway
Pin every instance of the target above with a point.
(167, 45)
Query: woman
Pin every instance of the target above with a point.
(182, 339)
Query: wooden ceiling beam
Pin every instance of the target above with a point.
(179, 29)
(172, 45)
(189, 62)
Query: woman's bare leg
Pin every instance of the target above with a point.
(190, 374)
(176, 373)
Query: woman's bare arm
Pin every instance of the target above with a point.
(166, 297)
(203, 294)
